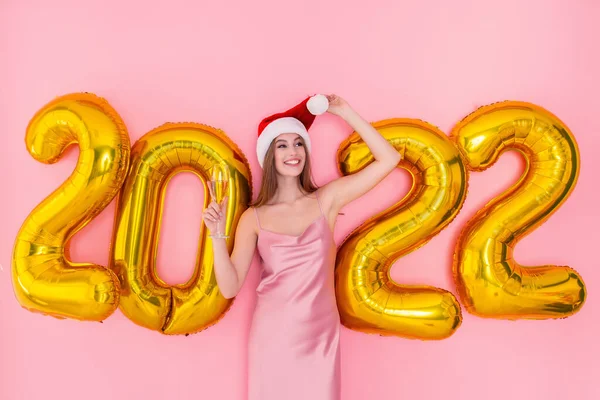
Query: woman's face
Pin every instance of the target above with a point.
(290, 154)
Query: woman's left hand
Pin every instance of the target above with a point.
(337, 105)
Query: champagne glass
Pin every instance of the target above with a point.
(217, 186)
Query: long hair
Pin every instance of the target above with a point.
(268, 186)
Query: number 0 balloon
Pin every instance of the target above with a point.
(156, 157)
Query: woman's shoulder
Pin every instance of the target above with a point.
(257, 209)
(249, 219)
(325, 195)
(260, 212)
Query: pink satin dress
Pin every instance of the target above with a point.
(293, 349)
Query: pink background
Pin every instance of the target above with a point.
(228, 64)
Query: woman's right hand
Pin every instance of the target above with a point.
(214, 216)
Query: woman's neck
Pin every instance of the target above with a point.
(288, 190)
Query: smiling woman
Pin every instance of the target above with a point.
(288, 156)
(294, 337)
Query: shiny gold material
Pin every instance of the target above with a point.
(156, 158)
(490, 282)
(44, 279)
(368, 300)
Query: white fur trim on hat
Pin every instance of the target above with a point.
(317, 104)
(276, 128)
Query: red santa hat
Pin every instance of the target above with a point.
(295, 120)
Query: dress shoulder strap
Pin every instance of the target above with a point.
(256, 215)
(319, 202)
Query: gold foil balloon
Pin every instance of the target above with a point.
(368, 300)
(490, 282)
(156, 157)
(44, 279)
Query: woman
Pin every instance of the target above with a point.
(294, 338)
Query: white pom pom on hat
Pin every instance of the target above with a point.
(297, 119)
(317, 104)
